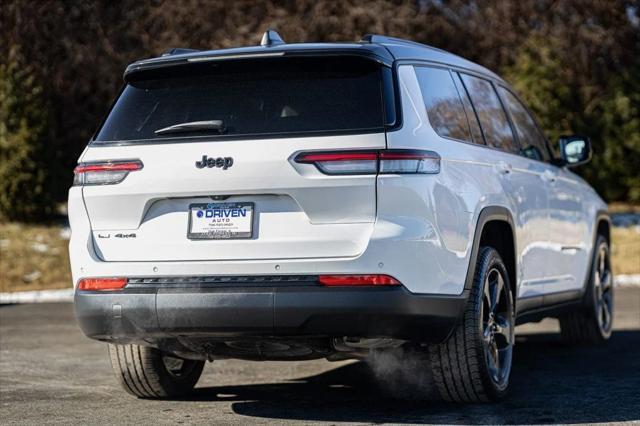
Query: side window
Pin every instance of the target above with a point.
(474, 125)
(496, 128)
(443, 104)
(531, 140)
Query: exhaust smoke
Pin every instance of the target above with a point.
(405, 372)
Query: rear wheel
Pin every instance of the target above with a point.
(474, 364)
(593, 323)
(150, 373)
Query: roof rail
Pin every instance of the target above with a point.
(377, 38)
(271, 38)
(178, 51)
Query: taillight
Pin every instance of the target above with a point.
(104, 172)
(342, 163)
(389, 161)
(102, 284)
(357, 280)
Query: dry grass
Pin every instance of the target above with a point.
(624, 208)
(33, 257)
(626, 250)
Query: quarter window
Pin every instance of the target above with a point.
(531, 140)
(443, 103)
(471, 114)
(496, 128)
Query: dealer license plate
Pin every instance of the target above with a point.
(220, 221)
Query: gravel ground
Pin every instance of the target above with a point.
(51, 373)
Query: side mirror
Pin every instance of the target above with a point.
(575, 150)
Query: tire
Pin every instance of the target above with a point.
(592, 323)
(464, 367)
(150, 373)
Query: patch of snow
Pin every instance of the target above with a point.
(40, 247)
(629, 280)
(31, 276)
(65, 233)
(41, 296)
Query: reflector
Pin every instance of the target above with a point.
(358, 280)
(102, 284)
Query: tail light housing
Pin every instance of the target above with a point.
(357, 280)
(388, 161)
(104, 172)
(102, 284)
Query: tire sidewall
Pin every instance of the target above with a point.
(176, 385)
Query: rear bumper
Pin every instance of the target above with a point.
(152, 312)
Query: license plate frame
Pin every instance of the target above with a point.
(219, 233)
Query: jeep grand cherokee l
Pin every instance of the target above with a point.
(303, 201)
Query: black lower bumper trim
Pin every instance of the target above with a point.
(153, 312)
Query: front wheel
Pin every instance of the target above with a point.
(151, 373)
(593, 322)
(474, 364)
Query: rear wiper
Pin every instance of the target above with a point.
(193, 126)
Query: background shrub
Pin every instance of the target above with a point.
(576, 62)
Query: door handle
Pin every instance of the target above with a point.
(548, 176)
(504, 168)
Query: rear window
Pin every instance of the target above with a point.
(270, 97)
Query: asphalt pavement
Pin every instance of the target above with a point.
(51, 373)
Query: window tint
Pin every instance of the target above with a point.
(468, 108)
(251, 97)
(443, 103)
(531, 140)
(496, 128)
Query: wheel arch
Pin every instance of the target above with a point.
(603, 226)
(495, 227)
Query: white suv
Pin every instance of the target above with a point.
(303, 201)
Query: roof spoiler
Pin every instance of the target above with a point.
(380, 39)
(178, 51)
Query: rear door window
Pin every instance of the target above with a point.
(443, 104)
(493, 119)
(252, 97)
(531, 139)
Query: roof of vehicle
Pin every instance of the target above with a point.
(384, 49)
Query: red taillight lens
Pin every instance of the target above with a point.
(313, 157)
(102, 284)
(104, 172)
(357, 280)
(389, 161)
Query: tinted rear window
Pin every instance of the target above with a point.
(496, 128)
(280, 96)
